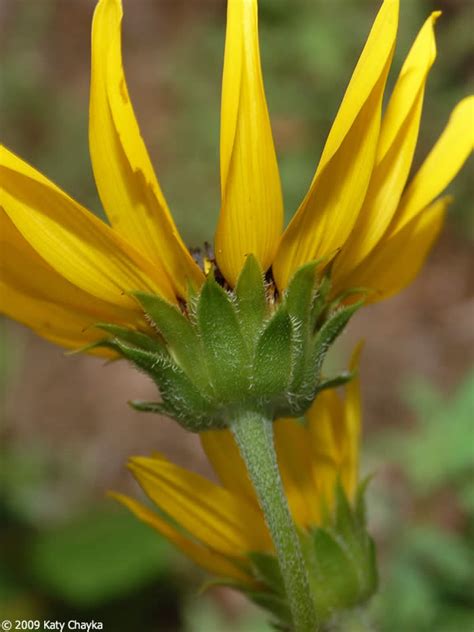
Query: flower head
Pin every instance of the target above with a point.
(221, 527)
(249, 328)
(63, 270)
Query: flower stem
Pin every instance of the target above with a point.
(254, 435)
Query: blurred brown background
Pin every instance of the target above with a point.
(66, 429)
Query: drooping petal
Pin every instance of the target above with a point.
(395, 149)
(352, 428)
(324, 419)
(295, 461)
(72, 240)
(441, 165)
(202, 556)
(398, 258)
(251, 216)
(327, 214)
(222, 521)
(224, 456)
(34, 294)
(125, 178)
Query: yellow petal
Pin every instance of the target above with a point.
(294, 459)
(49, 320)
(72, 240)
(224, 456)
(352, 428)
(34, 294)
(212, 562)
(251, 216)
(395, 149)
(327, 214)
(125, 178)
(225, 523)
(442, 164)
(324, 419)
(396, 261)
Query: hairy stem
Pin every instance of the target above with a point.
(254, 435)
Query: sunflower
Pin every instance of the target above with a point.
(238, 341)
(221, 527)
(64, 270)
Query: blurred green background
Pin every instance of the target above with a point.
(68, 552)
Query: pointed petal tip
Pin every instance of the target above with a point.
(356, 355)
(440, 167)
(329, 211)
(465, 110)
(125, 178)
(251, 216)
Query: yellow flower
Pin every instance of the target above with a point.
(64, 270)
(218, 525)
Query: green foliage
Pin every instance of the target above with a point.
(251, 300)
(309, 48)
(62, 560)
(273, 356)
(178, 333)
(440, 452)
(101, 556)
(229, 351)
(342, 559)
(429, 572)
(225, 350)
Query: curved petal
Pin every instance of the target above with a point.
(52, 322)
(34, 294)
(125, 178)
(251, 216)
(352, 428)
(295, 462)
(325, 422)
(212, 562)
(398, 258)
(395, 149)
(221, 521)
(441, 165)
(327, 214)
(72, 240)
(224, 456)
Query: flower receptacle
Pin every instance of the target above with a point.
(230, 350)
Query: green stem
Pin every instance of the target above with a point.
(254, 435)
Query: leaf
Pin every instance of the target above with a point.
(335, 381)
(336, 580)
(224, 347)
(320, 301)
(274, 604)
(298, 300)
(300, 293)
(182, 399)
(179, 334)
(267, 570)
(272, 362)
(132, 337)
(101, 556)
(148, 407)
(331, 329)
(251, 300)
